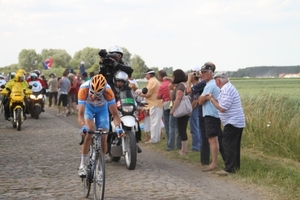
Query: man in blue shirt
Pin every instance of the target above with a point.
(212, 121)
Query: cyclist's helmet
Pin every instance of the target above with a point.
(97, 84)
(33, 76)
(120, 76)
(116, 49)
(21, 71)
(12, 75)
(37, 72)
(19, 77)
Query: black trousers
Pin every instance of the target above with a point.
(232, 147)
(51, 96)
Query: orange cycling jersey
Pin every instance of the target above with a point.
(107, 96)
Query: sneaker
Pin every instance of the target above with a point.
(59, 114)
(64, 115)
(82, 171)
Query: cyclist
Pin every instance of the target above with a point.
(95, 97)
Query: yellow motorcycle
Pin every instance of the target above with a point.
(17, 103)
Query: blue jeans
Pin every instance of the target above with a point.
(166, 116)
(173, 131)
(195, 130)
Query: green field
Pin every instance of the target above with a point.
(271, 140)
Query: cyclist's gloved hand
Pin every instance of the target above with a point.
(119, 130)
(84, 129)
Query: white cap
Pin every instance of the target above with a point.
(196, 68)
(82, 63)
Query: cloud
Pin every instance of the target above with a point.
(179, 33)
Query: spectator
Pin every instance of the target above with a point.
(194, 118)
(64, 86)
(198, 89)
(233, 119)
(212, 121)
(53, 83)
(91, 74)
(81, 68)
(72, 95)
(132, 81)
(164, 95)
(180, 90)
(154, 106)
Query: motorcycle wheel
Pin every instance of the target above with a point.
(36, 112)
(131, 151)
(19, 118)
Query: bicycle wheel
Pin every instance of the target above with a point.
(86, 183)
(99, 176)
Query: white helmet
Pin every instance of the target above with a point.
(115, 49)
(120, 76)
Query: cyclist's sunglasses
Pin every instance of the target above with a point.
(97, 94)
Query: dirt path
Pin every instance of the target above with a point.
(41, 161)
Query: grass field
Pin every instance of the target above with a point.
(271, 140)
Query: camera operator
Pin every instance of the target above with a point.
(112, 62)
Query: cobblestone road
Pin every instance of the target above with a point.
(41, 161)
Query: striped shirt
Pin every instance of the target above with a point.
(229, 99)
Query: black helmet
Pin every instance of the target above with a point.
(37, 72)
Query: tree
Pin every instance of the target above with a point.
(126, 55)
(138, 66)
(88, 55)
(168, 70)
(28, 59)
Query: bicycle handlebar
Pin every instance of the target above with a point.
(98, 132)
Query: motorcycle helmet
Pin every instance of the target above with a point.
(120, 76)
(1, 76)
(116, 49)
(19, 77)
(12, 75)
(33, 76)
(97, 84)
(37, 72)
(21, 71)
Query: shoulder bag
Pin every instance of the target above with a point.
(184, 107)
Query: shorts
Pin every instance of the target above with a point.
(100, 114)
(73, 98)
(212, 126)
(63, 98)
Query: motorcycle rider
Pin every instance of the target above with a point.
(19, 77)
(95, 98)
(37, 86)
(121, 84)
(2, 80)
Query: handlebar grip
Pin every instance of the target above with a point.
(82, 141)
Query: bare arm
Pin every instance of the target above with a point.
(80, 117)
(179, 95)
(210, 98)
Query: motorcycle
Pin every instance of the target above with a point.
(125, 146)
(36, 100)
(17, 103)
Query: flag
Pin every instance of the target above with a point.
(48, 63)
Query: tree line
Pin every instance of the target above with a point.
(29, 60)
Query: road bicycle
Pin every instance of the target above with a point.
(95, 166)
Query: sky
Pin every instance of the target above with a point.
(233, 34)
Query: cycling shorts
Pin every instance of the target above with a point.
(100, 114)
